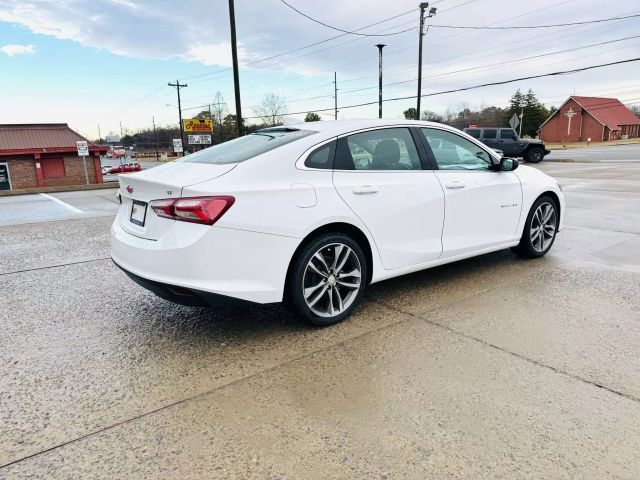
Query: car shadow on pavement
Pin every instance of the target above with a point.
(438, 285)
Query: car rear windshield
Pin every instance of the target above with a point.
(244, 148)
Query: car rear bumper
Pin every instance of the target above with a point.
(184, 296)
(197, 264)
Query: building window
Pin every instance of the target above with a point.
(52, 167)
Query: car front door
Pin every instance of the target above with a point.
(508, 143)
(380, 176)
(482, 206)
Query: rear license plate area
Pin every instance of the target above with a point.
(138, 213)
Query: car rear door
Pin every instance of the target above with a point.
(380, 176)
(482, 206)
(490, 137)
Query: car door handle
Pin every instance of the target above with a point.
(454, 184)
(364, 190)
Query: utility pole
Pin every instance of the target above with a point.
(335, 95)
(99, 134)
(121, 130)
(380, 47)
(432, 12)
(178, 86)
(236, 74)
(155, 137)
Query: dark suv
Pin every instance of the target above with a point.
(507, 140)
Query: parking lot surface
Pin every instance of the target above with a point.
(493, 367)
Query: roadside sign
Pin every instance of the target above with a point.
(112, 138)
(198, 125)
(83, 148)
(199, 139)
(83, 151)
(514, 121)
(177, 145)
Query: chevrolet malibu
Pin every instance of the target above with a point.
(311, 214)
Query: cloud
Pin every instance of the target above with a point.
(13, 49)
(212, 53)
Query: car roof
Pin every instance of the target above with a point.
(338, 127)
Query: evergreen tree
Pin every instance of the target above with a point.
(535, 113)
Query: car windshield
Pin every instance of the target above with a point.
(244, 148)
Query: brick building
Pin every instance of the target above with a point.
(45, 155)
(582, 118)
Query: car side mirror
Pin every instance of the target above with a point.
(508, 164)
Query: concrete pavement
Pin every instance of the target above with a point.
(493, 367)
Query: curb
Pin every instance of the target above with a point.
(66, 188)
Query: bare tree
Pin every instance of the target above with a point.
(271, 110)
(219, 109)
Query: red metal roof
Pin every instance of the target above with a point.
(608, 111)
(40, 137)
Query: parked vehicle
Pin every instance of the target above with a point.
(126, 168)
(106, 169)
(507, 140)
(311, 214)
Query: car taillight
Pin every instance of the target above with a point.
(205, 210)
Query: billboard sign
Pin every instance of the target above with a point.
(197, 125)
(177, 145)
(199, 139)
(112, 138)
(83, 148)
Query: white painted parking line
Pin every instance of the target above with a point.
(64, 204)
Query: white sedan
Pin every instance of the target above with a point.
(311, 214)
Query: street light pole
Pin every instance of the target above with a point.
(236, 75)
(380, 47)
(432, 12)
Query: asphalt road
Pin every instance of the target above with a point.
(491, 368)
(629, 153)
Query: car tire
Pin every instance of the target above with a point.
(540, 229)
(534, 155)
(327, 279)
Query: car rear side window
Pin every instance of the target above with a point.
(244, 148)
(474, 133)
(322, 157)
(381, 149)
(507, 135)
(489, 134)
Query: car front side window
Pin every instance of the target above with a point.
(453, 152)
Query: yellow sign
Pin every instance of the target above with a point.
(197, 125)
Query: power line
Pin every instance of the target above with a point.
(303, 47)
(489, 84)
(501, 63)
(347, 32)
(515, 27)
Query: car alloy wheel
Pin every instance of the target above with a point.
(332, 280)
(543, 227)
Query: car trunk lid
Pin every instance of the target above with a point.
(166, 181)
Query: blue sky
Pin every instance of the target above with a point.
(108, 61)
